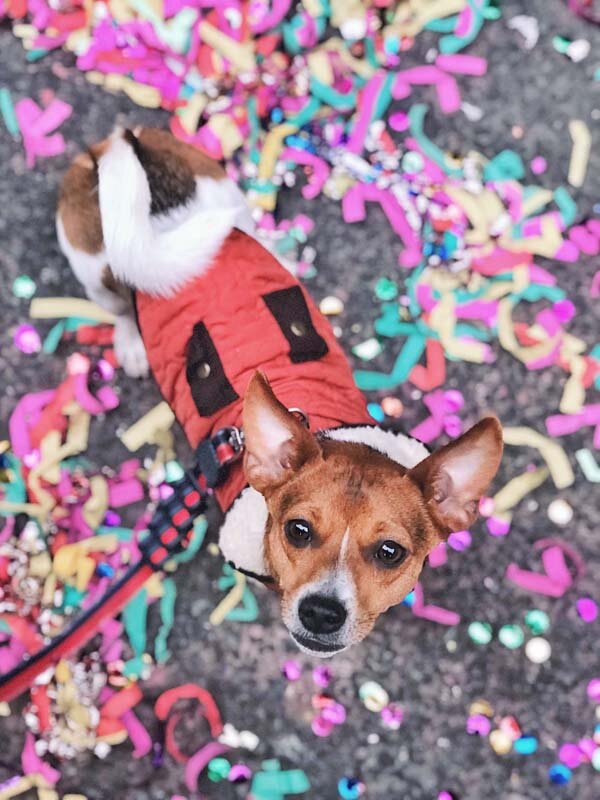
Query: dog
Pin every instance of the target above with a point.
(338, 518)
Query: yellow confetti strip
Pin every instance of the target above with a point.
(47, 794)
(580, 154)
(95, 507)
(58, 307)
(553, 454)
(230, 601)
(443, 321)
(241, 55)
(547, 244)
(359, 66)
(20, 787)
(190, 115)
(535, 202)
(146, 429)
(574, 392)
(31, 509)
(421, 12)
(272, 148)
(227, 132)
(518, 488)
(68, 558)
(508, 340)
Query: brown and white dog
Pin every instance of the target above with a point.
(341, 520)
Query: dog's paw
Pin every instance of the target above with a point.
(129, 348)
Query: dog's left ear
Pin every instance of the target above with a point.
(454, 478)
(277, 443)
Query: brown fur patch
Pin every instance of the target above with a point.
(172, 150)
(114, 285)
(78, 206)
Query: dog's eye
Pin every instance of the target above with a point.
(390, 554)
(298, 532)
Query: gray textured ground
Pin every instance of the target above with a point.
(540, 91)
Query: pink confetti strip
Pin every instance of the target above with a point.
(142, 741)
(33, 765)
(367, 101)
(25, 415)
(563, 424)
(320, 170)
(199, 760)
(462, 64)
(443, 616)
(438, 556)
(279, 8)
(557, 578)
(37, 123)
(125, 493)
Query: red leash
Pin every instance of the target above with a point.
(169, 533)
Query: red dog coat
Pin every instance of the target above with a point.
(245, 312)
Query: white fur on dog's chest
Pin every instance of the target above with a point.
(241, 538)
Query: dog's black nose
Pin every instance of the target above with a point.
(321, 614)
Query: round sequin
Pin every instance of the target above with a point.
(587, 609)
(480, 632)
(292, 670)
(538, 650)
(24, 287)
(511, 636)
(350, 788)
(560, 512)
(525, 745)
(537, 621)
(500, 743)
(374, 697)
(559, 774)
(593, 690)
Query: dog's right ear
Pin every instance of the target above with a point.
(276, 442)
(454, 478)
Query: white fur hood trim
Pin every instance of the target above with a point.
(241, 537)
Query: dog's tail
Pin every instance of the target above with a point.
(156, 253)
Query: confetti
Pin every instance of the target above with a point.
(582, 142)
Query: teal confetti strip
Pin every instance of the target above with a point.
(57, 331)
(290, 38)
(167, 616)
(453, 43)
(331, 97)
(446, 25)
(384, 97)
(416, 116)
(7, 110)
(196, 540)
(589, 465)
(538, 291)
(566, 205)
(306, 114)
(35, 55)
(72, 597)
(407, 358)
(505, 166)
(15, 491)
(247, 611)
(5, 627)
(122, 534)
(273, 784)
(135, 616)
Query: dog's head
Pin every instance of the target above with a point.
(349, 528)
